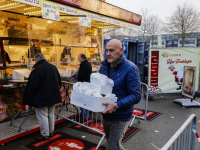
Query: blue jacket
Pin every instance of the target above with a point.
(126, 87)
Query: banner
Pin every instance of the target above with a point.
(74, 11)
(166, 68)
(189, 81)
(50, 11)
(104, 9)
(85, 21)
(30, 2)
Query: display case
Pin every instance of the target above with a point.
(67, 70)
(95, 65)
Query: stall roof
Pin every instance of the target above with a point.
(105, 9)
(70, 14)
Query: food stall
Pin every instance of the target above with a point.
(61, 31)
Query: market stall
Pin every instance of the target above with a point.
(60, 31)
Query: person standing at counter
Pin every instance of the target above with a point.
(8, 61)
(43, 92)
(35, 49)
(84, 73)
(126, 77)
(7, 58)
(66, 51)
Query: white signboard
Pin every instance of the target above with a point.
(85, 21)
(133, 26)
(116, 22)
(30, 2)
(99, 18)
(50, 11)
(68, 10)
(166, 68)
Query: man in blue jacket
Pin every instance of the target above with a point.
(125, 75)
(43, 92)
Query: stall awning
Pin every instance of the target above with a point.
(67, 13)
(105, 9)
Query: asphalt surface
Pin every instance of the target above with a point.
(174, 115)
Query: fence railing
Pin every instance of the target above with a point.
(184, 138)
(142, 105)
(95, 121)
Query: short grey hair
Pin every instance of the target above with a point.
(39, 57)
(82, 55)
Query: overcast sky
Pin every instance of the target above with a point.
(162, 8)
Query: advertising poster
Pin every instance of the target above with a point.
(166, 68)
(189, 81)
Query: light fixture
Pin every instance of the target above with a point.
(11, 6)
(49, 21)
(33, 12)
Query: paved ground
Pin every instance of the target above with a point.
(164, 124)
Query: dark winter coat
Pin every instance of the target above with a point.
(126, 79)
(43, 86)
(7, 58)
(85, 71)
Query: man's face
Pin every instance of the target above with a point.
(38, 44)
(80, 59)
(35, 60)
(113, 52)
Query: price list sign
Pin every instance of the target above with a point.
(154, 67)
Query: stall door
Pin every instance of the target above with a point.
(132, 52)
(140, 59)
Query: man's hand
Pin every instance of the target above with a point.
(73, 74)
(110, 107)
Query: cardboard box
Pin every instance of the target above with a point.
(90, 102)
(21, 74)
(100, 88)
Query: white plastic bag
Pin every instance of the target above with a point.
(110, 95)
(97, 94)
(98, 78)
(78, 87)
(87, 91)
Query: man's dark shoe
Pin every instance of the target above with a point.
(40, 137)
(51, 134)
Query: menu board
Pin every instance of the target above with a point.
(189, 81)
(154, 68)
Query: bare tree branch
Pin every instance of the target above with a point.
(185, 19)
(154, 26)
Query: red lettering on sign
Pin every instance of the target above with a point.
(65, 144)
(154, 68)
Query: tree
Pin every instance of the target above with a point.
(185, 19)
(151, 25)
(143, 30)
(154, 26)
